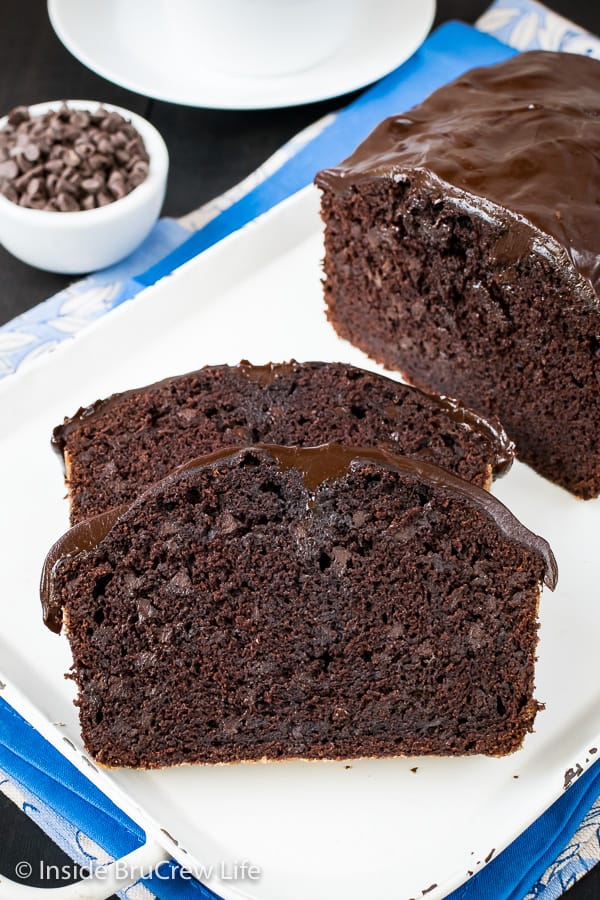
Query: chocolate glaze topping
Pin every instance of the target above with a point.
(82, 537)
(518, 141)
(317, 465)
(490, 429)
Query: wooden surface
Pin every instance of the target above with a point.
(210, 151)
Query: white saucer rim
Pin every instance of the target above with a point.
(427, 10)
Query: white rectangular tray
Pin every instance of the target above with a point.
(316, 830)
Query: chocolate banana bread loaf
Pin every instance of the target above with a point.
(463, 249)
(117, 447)
(271, 603)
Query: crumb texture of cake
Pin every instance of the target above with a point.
(318, 603)
(119, 446)
(463, 249)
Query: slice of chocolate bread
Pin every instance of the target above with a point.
(117, 447)
(271, 602)
(463, 248)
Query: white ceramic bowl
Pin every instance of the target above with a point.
(86, 240)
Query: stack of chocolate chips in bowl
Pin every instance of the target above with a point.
(69, 159)
(305, 556)
(81, 184)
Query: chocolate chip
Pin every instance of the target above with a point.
(80, 119)
(139, 173)
(98, 161)
(9, 169)
(64, 112)
(84, 148)
(31, 152)
(71, 158)
(111, 123)
(10, 192)
(64, 186)
(71, 175)
(54, 165)
(104, 145)
(23, 180)
(66, 203)
(116, 184)
(94, 184)
(34, 187)
(17, 115)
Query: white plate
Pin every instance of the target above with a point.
(384, 35)
(319, 830)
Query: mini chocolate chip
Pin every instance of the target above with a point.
(122, 157)
(134, 148)
(71, 158)
(111, 123)
(23, 180)
(38, 127)
(80, 119)
(88, 202)
(118, 140)
(94, 184)
(37, 202)
(85, 149)
(54, 165)
(139, 173)
(10, 192)
(17, 115)
(98, 161)
(9, 169)
(24, 164)
(103, 145)
(104, 199)
(31, 152)
(64, 186)
(34, 186)
(116, 184)
(66, 203)
(57, 130)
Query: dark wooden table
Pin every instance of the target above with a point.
(210, 151)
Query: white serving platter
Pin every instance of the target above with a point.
(372, 828)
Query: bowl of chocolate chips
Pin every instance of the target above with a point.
(81, 184)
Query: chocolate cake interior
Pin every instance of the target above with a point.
(462, 250)
(119, 446)
(276, 603)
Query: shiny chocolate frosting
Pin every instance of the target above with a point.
(317, 465)
(489, 428)
(521, 137)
